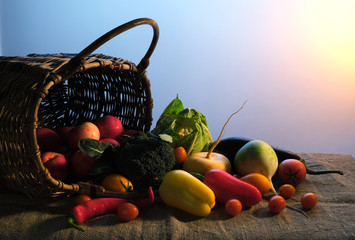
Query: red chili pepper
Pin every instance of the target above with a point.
(100, 206)
(225, 187)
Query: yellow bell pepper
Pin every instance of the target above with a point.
(181, 190)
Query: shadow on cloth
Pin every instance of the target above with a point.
(11, 204)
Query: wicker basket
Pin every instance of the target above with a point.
(57, 90)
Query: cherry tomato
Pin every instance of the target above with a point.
(180, 155)
(308, 201)
(82, 198)
(233, 207)
(277, 204)
(127, 211)
(287, 190)
(291, 171)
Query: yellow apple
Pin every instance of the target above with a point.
(85, 130)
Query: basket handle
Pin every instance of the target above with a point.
(80, 59)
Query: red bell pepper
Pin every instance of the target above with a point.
(225, 187)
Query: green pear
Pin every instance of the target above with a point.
(256, 156)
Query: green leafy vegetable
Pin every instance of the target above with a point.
(94, 148)
(187, 127)
(144, 159)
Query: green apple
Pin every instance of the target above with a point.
(256, 156)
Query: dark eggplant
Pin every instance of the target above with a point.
(230, 146)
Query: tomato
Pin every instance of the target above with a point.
(82, 198)
(291, 171)
(309, 201)
(277, 204)
(127, 211)
(259, 181)
(233, 207)
(180, 155)
(287, 190)
(117, 183)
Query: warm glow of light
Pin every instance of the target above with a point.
(330, 27)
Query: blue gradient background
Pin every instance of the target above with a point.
(294, 61)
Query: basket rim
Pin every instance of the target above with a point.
(53, 62)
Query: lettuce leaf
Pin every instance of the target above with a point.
(187, 127)
(94, 148)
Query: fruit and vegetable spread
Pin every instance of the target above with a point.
(177, 162)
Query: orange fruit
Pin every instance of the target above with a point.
(259, 181)
(81, 199)
(116, 183)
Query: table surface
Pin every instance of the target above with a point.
(333, 217)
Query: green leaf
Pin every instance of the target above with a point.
(94, 148)
(166, 137)
(174, 107)
(187, 127)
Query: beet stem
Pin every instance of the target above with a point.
(220, 135)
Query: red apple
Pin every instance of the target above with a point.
(56, 164)
(85, 130)
(109, 126)
(63, 133)
(66, 151)
(110, 140)
(48, 139)
(81, 163)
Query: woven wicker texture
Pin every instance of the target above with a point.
(56, 90)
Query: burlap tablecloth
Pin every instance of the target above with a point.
(332, 218)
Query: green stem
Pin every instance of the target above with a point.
(319, 172)
(71, 222)
(198, 176)
(127, 187)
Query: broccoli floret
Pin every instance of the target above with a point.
(144, 160)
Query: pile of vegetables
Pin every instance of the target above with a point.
(144, 160)
(178, 161)
(99, 206)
